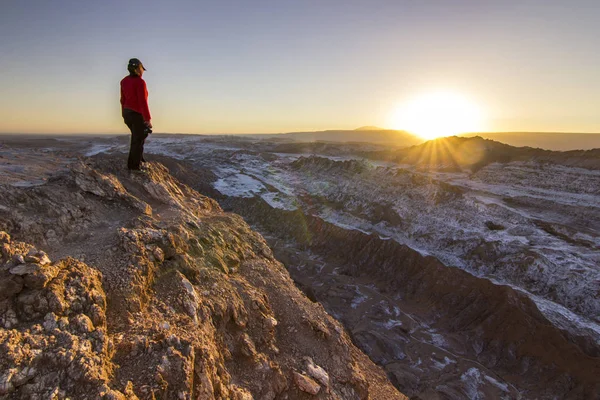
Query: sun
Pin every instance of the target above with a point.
(438, 114)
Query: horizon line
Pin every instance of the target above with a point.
(286, 133)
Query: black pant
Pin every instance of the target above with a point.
(135, 123)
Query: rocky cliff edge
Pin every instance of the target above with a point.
(121, 286)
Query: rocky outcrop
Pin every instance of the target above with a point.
(53, 333)
(139, 287)
(323, 164)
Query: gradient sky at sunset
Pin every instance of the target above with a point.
(278, 66)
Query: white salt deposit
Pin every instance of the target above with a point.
(442, 364)
(239, 185)
(499, 385)
(98, 148)
(278, 200)
(359, 299)
(392, 323)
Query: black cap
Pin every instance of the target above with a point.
(134, 63)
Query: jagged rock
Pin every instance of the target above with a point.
(4, 237)
(238, 393)
(83, 323)
(191, 300)
(19, 259)
(44, 343)
(247, 346)
(158, 254)
(50, 322)
(6, 384)
(30, 258)
(278, 380)
(5, 250)
(10, 318)
(270, 323)
(316, 372)
(92, 181)
(44, 259)
(306, 384)
(160, 192)
(22, 376)
(35, 276)
(10, 285)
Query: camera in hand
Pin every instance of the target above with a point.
(147, 130)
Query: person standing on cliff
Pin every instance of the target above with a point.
(135, 111)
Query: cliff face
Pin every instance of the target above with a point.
(135, 286)
(439, 332)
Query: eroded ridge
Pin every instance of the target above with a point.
(135, 286)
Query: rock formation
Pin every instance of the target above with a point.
(121, 286)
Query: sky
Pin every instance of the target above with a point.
(280, 66)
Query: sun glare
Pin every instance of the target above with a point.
(438, 114)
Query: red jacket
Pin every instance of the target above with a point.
(134, 95)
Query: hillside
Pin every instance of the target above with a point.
(369, 128)
(455, 153)
(122, 286)
(562, 141)
(558, 141)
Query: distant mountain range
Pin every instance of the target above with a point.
(456, 153)
(366, 134)
(561, 141)
(370, 128)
